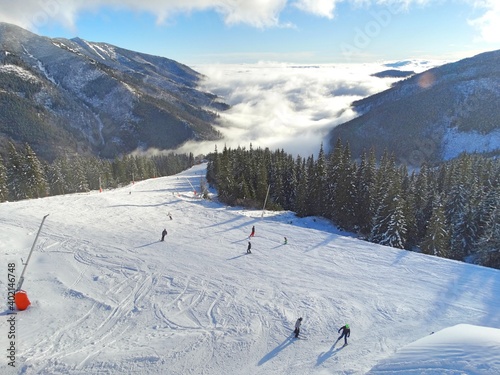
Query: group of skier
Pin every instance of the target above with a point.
(164, 232)
(346, 331)
(252, 234)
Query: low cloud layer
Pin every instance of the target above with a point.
(287, 106)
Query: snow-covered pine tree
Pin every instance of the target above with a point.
(395, 235)
(487, 247)
(302, 189)
(345, 194)
(16, 183)
(333, 178)
(56, 178)
(365, 180)
(289, 183)
(437, 237)
(34, 174)
(459, 214)
(317, 186)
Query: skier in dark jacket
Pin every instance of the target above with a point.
(249, 247)
(253, 232)
(346, 332)
(163, 234)
(297, 327)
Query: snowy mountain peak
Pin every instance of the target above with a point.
(97, 98)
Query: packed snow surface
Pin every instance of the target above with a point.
(461, 349)
(108, 297)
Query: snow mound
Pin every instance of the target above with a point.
(461, 349)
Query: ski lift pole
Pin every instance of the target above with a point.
(21, 279)
(265, 201)
(192, 187)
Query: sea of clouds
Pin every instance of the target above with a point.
(290, 106)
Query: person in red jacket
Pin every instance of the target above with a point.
(346, 332)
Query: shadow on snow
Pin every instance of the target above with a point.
(273, 353)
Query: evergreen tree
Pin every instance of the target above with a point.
(290, 183)
(310, 197)
(458, 213)
(318, 184)
(383, 199)
(76, 176)
(333, 177)
(346, 192)
(423, 200)
(120, 171)
(34, 174)
(487, 250)
(395, 235)
(365, 181)
(213, 168)
(409, 210)
(56, 178)
(301, 204)
(16, 182)
(437, 237)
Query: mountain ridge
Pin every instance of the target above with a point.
(71, 95)
(419, 117)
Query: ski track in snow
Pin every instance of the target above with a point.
(109, 297)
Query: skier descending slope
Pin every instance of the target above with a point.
(163, 234)
(346, 332)
(249, 247)
(297, 327)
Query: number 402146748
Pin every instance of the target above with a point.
(11, 284)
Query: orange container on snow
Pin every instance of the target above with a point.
(21, 299)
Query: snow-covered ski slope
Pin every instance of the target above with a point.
(109, 298)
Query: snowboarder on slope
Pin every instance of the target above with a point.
(253, 232)
(249, 247)
(163, 234)
(346, 332)
(285, 242)
(297, 327)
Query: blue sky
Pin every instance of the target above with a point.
(248, 31)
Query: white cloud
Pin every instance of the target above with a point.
(489, 23)
(32, 14)
(286, 106)
(322, 8)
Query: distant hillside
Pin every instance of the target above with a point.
(393, 73)
(64, 95)
(433, 115)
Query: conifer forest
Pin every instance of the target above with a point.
(24, 176)
(451, 210)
